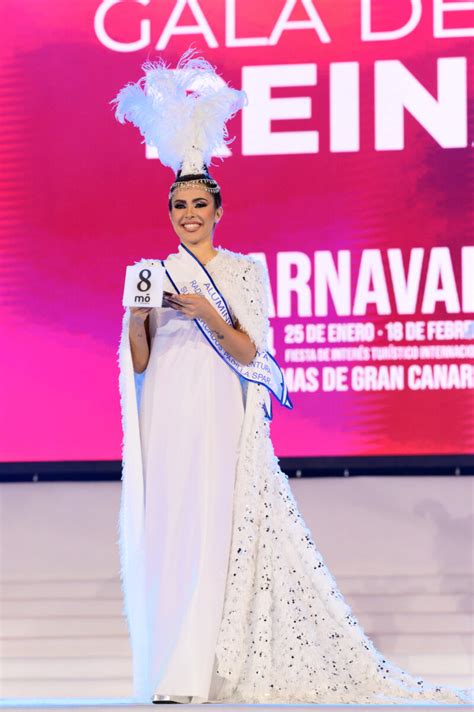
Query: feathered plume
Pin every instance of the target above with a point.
(183, 112)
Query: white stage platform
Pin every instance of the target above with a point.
(113, 706)
(400, 549)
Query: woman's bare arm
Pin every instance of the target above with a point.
(235, 341)
(139, 335)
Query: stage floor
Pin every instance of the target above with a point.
(400, 550)
(118, 706)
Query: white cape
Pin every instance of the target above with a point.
(287, 635)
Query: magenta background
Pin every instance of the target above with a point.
(80, 202)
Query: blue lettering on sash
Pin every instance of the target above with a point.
(217, 299)
(196, 287)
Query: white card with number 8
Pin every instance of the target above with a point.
(144, 285)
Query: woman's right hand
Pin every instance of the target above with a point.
(139, 314)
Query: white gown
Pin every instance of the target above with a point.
(239, 606)
(188, 394)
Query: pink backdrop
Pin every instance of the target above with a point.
(374, 170)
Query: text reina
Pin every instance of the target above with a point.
(377, 282)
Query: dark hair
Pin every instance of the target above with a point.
(204, 178)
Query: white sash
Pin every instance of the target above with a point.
(185, 270)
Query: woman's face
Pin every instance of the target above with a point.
(193, 214)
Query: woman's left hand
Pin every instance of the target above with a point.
(194, 306)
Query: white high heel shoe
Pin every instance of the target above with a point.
(157, 699)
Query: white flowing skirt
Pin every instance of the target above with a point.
(191, 414)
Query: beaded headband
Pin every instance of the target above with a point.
(190, 180)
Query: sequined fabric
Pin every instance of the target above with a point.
(243, 280)
(287, 634)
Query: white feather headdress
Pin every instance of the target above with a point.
(182, 111)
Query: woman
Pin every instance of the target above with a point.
(226, 596)
(187, 396)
